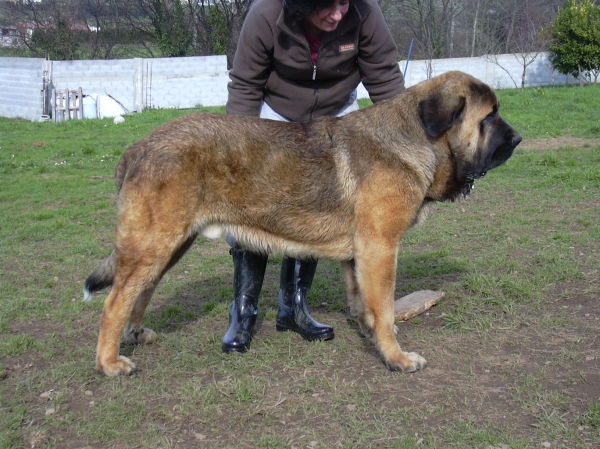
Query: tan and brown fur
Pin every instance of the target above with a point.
(339, 188)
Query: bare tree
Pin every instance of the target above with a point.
(434, 24)
(74, 29)
(109, 35)
(212, 26)
(520, 32)
(69, 29)
(514, 25)
(479, 24)
(455, 28)
(217, 25)
(49, 28)
(529, 38)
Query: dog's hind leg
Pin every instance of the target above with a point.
(134, 332)
(352, 289)
(355, 300)
(117, 310)
(141, 264)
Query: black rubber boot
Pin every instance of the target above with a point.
(248, 274)
(296, 279)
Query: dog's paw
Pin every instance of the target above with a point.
(407, 362)
(366, 332)
(122, 365)
(142, 335)
(366, 322)
(147, 336)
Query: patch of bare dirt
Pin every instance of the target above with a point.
(554, 143)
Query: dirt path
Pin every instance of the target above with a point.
(557, 142)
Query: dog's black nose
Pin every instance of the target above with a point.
(516, 140)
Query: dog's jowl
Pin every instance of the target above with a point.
(339, 188)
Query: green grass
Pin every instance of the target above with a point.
(553, 111)
(512, 348)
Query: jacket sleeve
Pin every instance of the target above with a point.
(376, 60)
(251, 64)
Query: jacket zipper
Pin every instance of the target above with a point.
(314, 77)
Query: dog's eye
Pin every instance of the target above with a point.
(489, 118)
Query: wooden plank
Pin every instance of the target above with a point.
(416, 303)
(53, 104)
(67, 104)
(80, 104)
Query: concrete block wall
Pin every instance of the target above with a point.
(149, 83)
(185, 82)
(21, 85)
(202, 80)
(418, 70)
(499, 71)
(540, 73)
(114, 77)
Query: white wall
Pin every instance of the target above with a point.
(499, 71)
(114, 76)
(202, 80)
(21, 85)
(148, 83)
(185, 82)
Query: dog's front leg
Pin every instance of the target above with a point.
(375, 271)
(355, 300)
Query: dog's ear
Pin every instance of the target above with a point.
(438, 112)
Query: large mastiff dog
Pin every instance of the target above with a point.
(338, 188)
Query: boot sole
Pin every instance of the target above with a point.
(318, 337)
(236, 349)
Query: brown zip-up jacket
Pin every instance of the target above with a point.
(273, 63)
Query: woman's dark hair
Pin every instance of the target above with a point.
(299, 9)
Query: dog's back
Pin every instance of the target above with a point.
(245, 172)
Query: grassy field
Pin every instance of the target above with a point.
(513, 349)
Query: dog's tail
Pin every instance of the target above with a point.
(102, 277)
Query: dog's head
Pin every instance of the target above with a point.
(463, 112)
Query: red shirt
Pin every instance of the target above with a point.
(314, 42)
